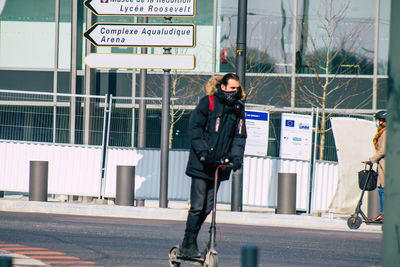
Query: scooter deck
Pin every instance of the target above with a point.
(371, 222)
(194, 261)
(176, 258)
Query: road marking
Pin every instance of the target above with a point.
(69, 262)
(9, 245)
(20, 248)
(40, 252)
(47, 256)
(55, 257)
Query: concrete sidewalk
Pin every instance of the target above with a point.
(177, 211)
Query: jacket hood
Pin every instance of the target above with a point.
(214, 81)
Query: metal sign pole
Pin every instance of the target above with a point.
(237, 177)
(164, 133)
(142, 102)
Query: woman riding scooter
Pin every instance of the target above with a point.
(379, 157)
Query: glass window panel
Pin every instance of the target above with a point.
(269, 36)
(341, 93)
(63, 82)
(384, 29)
(27, 34)
(337, 37)
(117, 84)
(204, 15)
(382, 93)
(40, 81)
(267, 90)
(29, 10)
(65, 10)
(64, 45)
(64, 38)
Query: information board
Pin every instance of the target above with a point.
(296, 136)
(257, 127)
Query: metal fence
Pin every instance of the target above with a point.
(99, 120)
(101, 125)
(52, 118)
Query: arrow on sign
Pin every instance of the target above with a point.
(140, 61)
(142, 35)
(152, 8)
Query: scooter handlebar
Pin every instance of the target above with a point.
(367, 162)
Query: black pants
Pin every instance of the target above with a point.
(201, 199)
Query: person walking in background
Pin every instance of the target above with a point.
(379, 157)
(217, 131)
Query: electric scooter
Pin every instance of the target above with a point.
(209, 257)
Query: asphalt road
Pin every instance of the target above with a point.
(132, 242)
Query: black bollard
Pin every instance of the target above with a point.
(125, 194)
(249, 256)
(286, 193)
(38, 178)
(5, 261)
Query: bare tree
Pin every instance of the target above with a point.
(256, 62)
(183, 95)
(265, 54)
(334, 50)
(184, 92)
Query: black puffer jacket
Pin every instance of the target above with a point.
(220, 133)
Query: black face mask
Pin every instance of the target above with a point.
(228, 97)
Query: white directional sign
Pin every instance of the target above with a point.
(142, 35)
(155, 8)
(2, 4)
(140, 61)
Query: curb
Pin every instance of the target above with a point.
(177, 211)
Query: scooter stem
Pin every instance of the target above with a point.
(214, 210)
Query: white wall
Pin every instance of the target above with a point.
(76, 170)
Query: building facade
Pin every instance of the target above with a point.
(300, 54)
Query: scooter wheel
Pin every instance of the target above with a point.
(211, 260)
(173, 255)
(354, 222)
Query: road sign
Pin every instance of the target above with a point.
(153, 8)
(140, 61)
(142, 35)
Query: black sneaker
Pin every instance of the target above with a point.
(189, 248)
